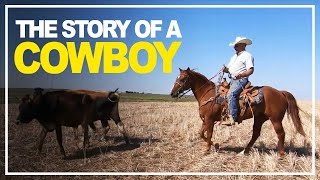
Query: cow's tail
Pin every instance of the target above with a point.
(293, 112)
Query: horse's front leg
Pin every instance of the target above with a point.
(202, 131)
(209, 129)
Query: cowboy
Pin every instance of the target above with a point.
(239, 68)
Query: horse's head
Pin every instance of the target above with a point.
(182, 83)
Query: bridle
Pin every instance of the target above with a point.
(182, 84)
(188, 90)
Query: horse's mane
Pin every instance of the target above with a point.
(202, 77)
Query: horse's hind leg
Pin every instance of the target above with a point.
(255, 134)
(277, 125)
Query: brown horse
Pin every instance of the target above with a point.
(273, 107)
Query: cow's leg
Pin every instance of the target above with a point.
(105, 127)
(85, 137)
(93, 127)
(42, 135)
(123, 131)
(116, 117)
(59, 139)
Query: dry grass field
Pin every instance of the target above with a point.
(164, 138)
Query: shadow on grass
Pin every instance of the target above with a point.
(135, 140)
(261, 148)
(91, 152)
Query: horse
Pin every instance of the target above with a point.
(274, 106)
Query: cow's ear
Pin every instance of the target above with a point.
(188, 69)
(180, 69)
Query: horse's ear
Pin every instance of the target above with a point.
(180, 69)
(188, 69)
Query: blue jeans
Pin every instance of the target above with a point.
(236, 86)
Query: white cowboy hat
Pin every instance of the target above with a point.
(241, 40)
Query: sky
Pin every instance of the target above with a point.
(281, 45)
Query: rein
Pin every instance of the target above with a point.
(220, 78)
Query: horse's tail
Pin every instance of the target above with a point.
(293, 112)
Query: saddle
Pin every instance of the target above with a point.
(249, 95)
(248, 90)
